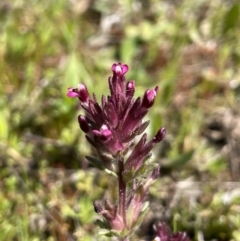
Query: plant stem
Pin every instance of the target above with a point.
(122, 191)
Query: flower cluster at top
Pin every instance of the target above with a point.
(112, 126)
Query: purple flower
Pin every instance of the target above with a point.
(112, 126)
(119, 69)
(81, 92)
(164, 234)
(141, 150)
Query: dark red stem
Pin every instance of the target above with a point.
(122, 191)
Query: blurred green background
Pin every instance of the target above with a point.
(190, 49)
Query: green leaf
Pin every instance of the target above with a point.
(102, 224)
(109, 233)
(147, 168)
(141, 216)
(98, 164)
(95, 162)
(180, 160)
(110, 173)
(231, 18)
(128, 175)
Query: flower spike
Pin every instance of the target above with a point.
(111, 127)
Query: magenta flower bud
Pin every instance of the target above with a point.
(160, 135)
(119, 69)
(130, 89)
(83, 124)
(149, 97)
(104, 133)
(72, 93)
(163, 233)
(83, 93)
(179, 236)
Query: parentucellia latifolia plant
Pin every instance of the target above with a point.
(111, 128)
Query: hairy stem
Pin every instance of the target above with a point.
(122, 191)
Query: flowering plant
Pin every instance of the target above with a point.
(111, 128)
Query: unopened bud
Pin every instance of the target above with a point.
(104, 133)
(149, 97)
(83, 123)
(160, 135)
(130, 89)
(97, 207)
(83, 93)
